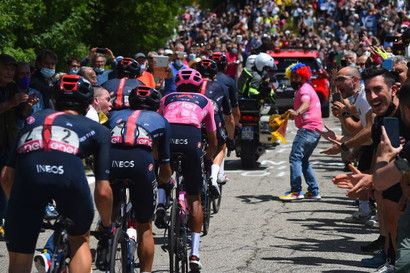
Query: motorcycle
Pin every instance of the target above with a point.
(254, 134)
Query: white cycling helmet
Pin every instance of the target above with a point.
(263, 62)
(250, 62)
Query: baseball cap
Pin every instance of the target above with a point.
(7, 59)
(140, 55)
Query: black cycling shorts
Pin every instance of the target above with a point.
(136, 164)
(186, 139)
(221, 133)
(41, 177)
(393, 193)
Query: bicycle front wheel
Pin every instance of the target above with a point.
(119, 250)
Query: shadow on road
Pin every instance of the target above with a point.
(336, 225)
(235, 165)
(256, 199)
(314, 261)
(343, 271)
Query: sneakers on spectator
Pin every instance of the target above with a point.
(42, 262)
(372, 222)
(310, 196)
(374, 246)
(222, 179)
(160, 214)
(194, 263)
(215, 193)
(358, 217)
(289, 196)
(386, 268)
(376, 261)
(51, 212)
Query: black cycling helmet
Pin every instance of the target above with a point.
(128, 67)
(144, 97)
(74, 92)
(220, 59)
(207, 68)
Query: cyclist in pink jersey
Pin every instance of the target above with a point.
(185, 111)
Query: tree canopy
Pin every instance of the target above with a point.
(71, 27)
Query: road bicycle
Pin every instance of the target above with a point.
(60, 254)
(120, 254)
(178, 223)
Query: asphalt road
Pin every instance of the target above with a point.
(255, 232)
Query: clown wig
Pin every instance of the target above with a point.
(300, 69)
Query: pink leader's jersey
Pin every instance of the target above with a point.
(188, 108)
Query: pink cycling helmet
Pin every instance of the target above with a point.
(188, 76)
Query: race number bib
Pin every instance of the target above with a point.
(61, 139)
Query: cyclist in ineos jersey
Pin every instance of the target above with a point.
(120, 87)
(222, 114)
(135, 133)
(186, 110)
(46, 165)
(221, 62)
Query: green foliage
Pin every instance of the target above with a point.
(71, 27)
(128, 26)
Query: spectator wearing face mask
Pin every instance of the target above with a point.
(42, 79)
(22, 78)
(146, 77)
(177, 63)
(100, 57)
(73, 65)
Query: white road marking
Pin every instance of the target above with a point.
(280, 174)
(255, 173)
(337, 164)
(266, 162)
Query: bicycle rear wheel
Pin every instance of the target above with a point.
(119, 250)
(172, 237)
(177, 242)
(206, 206)
(216, 203)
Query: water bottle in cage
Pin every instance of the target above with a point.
(132, 240)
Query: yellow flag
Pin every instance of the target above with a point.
(278, 125)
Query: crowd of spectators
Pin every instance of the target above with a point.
(344, 32)
(331, 27)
